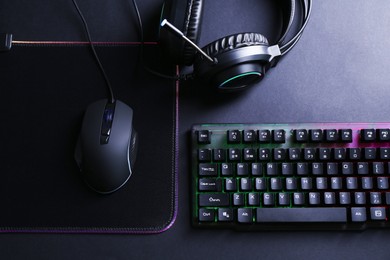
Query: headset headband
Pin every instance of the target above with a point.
(289, 15)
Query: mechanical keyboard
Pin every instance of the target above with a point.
(316, 176)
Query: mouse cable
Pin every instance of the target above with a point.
(147, 68)
(108, 83)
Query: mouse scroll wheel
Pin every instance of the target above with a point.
(106, 124)
(108, 117)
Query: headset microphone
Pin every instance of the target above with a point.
(181, 34)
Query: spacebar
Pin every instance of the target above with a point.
(301, 215)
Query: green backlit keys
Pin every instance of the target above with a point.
(291, 176)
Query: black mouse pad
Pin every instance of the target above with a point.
(45, 89)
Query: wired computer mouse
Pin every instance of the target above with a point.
(107, 146)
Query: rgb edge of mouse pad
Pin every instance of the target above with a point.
(45, 90)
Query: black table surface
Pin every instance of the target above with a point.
(338, 72)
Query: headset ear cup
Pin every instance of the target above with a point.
(238, 66)
(186, 16)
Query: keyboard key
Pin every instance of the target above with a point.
(340, 154)
(257, 169)
(208, 169)
(238, 199)
(358, 214)
(279, 154)
(234, 154)
(287, 169)
(276, 184)
(314, 198)
(324, 154)
(317, 168)
(383, 183)
(321, 183)
(336, 183)
(301, 135)
(294, 154)
(330, 198)
(291, 184)
(378, 168)
(378, 213)
(249, 136)
(260, 184)
(253, 199)
(316, 135)
(213, 200)
(375, 198)
(219, 155)
(225, 214)
(368, 135)
(332, 168)
(246, 184)
(204, 137)
(206, 215)
(302, 169)
(360, 198)
(204, 155)
(384, 153)
(249, 154)
(279, 136)
(354, 153)
(367, 183)
(383, 135)
(264, 136)
(227, 169)
(242, 169)
(284, 199)
(244, 215)
(362, 168)
(346, 135)
(352, 183)
(268, 199)
(331, 135)
(299, 199)
(309, 154)
(301, 215)
(347, 168)
(345, 198)
(264, 154)
(206, 184)
(230, 184)
(272, 169)
(234, 136)
(370, 153)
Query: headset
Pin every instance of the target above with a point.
(231, 63)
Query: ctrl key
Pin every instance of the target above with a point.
(206, 215)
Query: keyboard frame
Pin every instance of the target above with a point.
(218, 131)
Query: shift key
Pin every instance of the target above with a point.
(213, 200)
